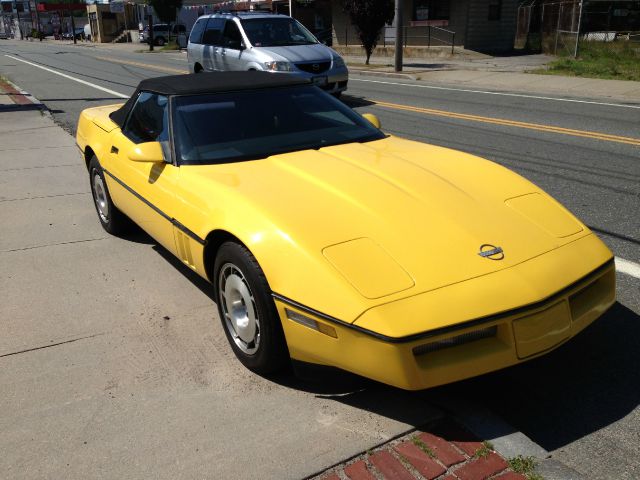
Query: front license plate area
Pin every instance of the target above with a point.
(320, 81)
(543, 330)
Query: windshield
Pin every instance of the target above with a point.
(247, 125)
(276, 32)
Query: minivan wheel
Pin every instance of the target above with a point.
(160, 42)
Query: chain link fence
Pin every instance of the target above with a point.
(559, 27)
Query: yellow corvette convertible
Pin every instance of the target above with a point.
(327, 241)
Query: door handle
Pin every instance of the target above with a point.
(114, 149)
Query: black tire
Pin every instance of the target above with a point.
(337, 95)
(267, 352)
(111, 219)
(160, 41)
(197, 68)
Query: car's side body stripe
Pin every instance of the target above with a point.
(175, 222)
(459, 326)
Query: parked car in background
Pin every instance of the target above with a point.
(264, 42)
(162, 32)
(79, 34)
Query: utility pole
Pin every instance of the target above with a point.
(38, 21)
(73, 27)
(151, 39)
(399, 46)
(575, 53)
(19, 24)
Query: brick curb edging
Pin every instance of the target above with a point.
(444, 451)
(17, 96)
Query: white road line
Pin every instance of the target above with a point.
(625, 266)
(504, 94)
(98, 87)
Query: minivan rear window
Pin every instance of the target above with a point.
(213, 32)
(196, 31)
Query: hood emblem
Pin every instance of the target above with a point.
(491, 252)
(315, 67)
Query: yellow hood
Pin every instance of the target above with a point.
(392, 218)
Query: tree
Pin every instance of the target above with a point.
(369, 16)
(166, 9)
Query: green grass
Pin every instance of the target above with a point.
(423, 446)
(618, 60)
(172, 45)
(525, 466)
(484, 450)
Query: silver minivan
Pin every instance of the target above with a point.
(269, 42)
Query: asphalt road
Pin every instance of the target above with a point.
(581, 401)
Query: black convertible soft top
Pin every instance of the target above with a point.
(203, 83)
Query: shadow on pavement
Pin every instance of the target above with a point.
(584, 386)
(15, 107)
(353, 102)
(428, 65)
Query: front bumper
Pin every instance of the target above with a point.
(334, 80)
(459, 351)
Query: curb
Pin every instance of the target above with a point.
(505, 439)
(22, 99)
(373, 73)
(441, 450)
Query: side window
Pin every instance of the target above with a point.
(196, 31)
(231, 37)
(213, 32)
(148, 120)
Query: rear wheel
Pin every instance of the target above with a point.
(111, 219)
(249, 316)
(160, 41)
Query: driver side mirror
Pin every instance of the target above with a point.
(147, 152)
(373, 120)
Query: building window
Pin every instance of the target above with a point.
(495, 9)
(431, 9)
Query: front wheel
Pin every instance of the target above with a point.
(160, 42)
(247, 312)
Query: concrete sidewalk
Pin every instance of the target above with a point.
(503, 74)
(109, 373)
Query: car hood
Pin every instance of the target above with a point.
(299, 53)
(393, 218)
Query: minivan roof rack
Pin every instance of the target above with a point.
(244, 12)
